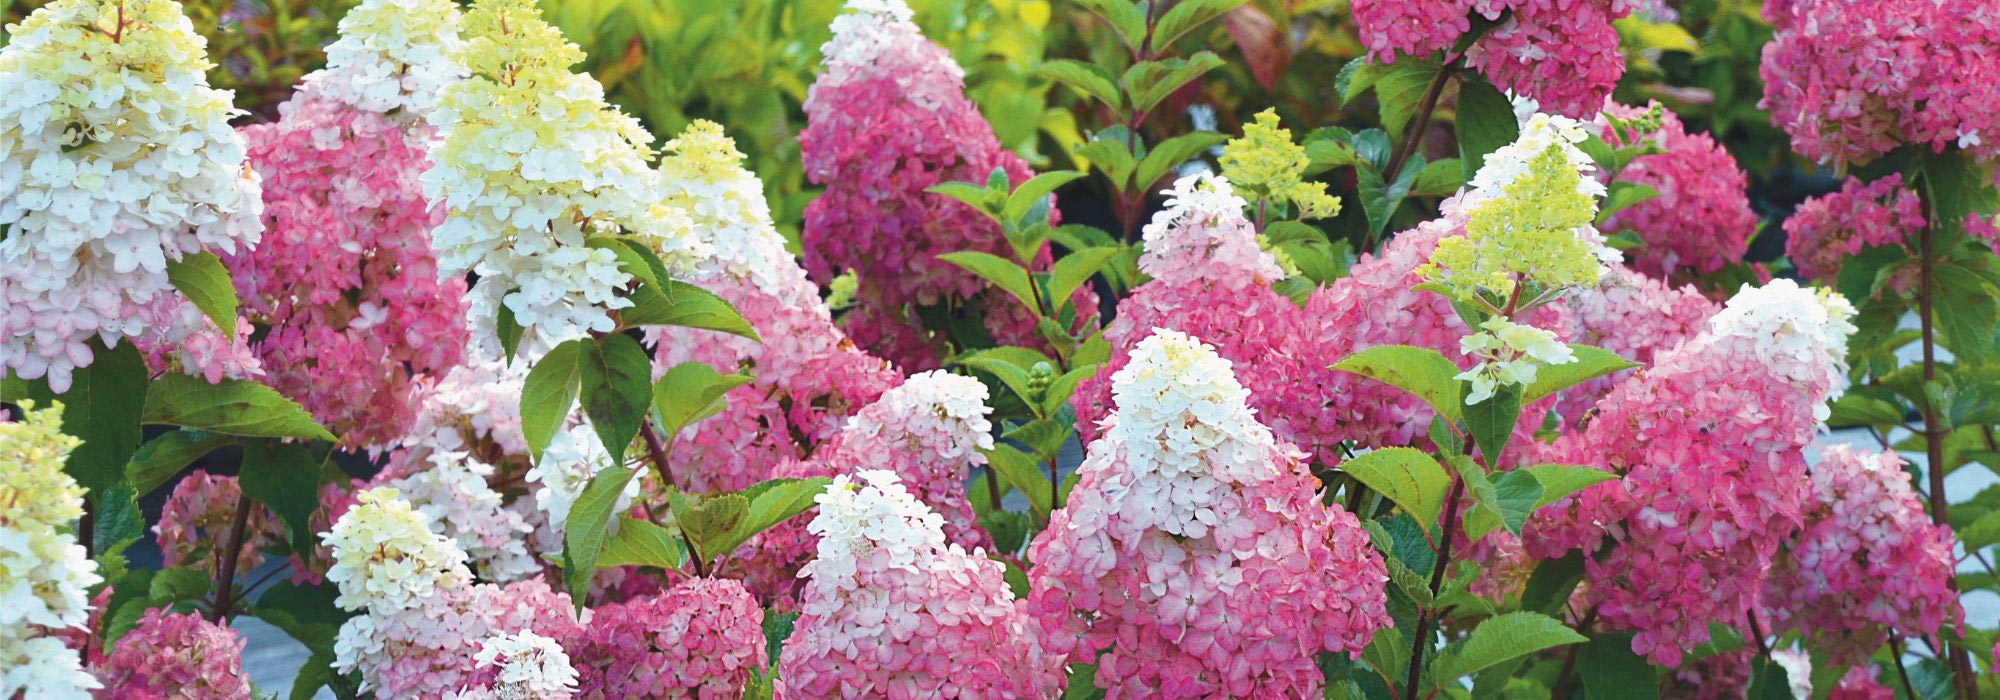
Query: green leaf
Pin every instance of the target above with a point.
(1439, 179)
(1036, 190)
(161, 458)
(1421, 372)
(1082, 682)
(1399, 88)
(1043, 437)
(967, 193)
(642, 543)
(1074, 269)
(509, 331)
(1549, 587)
(1088, 79)
(1124, 16)
(115, 524)
(307, 613)
(1185, 17)
(998, 271)
(1501, 501)
(1008, 364)
(1863, 274)
(1559, 480)
(768, 503)
(690, 392)
(202, 278)
(1489, 423)
(1379, 198)
(285, 478)
(104, 406)
(1968, 312)
(583, 531)
(1149, 82)
(685, 305)
(176, 584)
(1855, 409)
(549, 391)
(233, 407)
(1406, 476)
(1059, 391)
(617, 388)
(1109, 154)
(1499, 639)
(1982, 532)
(1485, 123)
(1020, 470)
(1610, 671)
(1621, 195)
(1174, 151)
(1591, 362)
(1769, 680)
(632, 259)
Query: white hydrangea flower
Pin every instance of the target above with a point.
(1800, 332)
(392, 56)
(865, 31)
(567, 465)
(116, 157)
(1182, 420)
(1509, 353)
(454, 497)
(531, 666)
(45, 575)
(386, 554)
(41, 668)
(939, 414)
(870, 515)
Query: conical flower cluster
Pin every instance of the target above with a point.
(44, 574)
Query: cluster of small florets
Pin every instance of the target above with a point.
(929, 432)
(573, 457)
(1194, 557)
(116, 157)
(393, 57)
(426, 649)
(1634, 315)
(807, 375)
(700, 639)
(195, 524)
(456, 500)
(527, 666)
(1869, 563)
(1211, 280)
(1708, 444)
(1701, 220)
(892, 611)
(531, 163)
(886, 119)
(1270, 169)
(1851, 80)
(174, 655)
(387, 557)
(44, 574)
(1528, 217)
(344, 282)
(1562, 53)
(1827, 230)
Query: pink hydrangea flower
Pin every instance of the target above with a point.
(1860, 684)
(808, 375)
(344, 281)
(929, 432)
(1561, 53)
(886, 119)
(195, 522)
(1701, 221)
(175, 655)
(1868, 562)
(1636, 316)
(1825, 230)
(426, 649)
(1708, 443)
(700, 639)
(892, 611)
(1725, 676)
(1194, 557)
(1851, 80)
(1212, 281)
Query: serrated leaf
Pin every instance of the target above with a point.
(768, 503)
(1501, 501)
(1059, 391)
(285, 478)
(1036, 190)
(1089, 79)
(1380, 198)
(1150, 82)
(1499, 639)
(1399, 88)
(1174, 151)
(175, 584)
(1622, 195)
(1043, 436)
(967, 193)
(1406, 476)
(232, 407)
(690, 392)
(616, 389)
(1559, 480)
(997, 271)
(1113, 158)
(549, 391)
(642, 543)
(1185, 17)
(1000, 363)
(1420, 372)
(1020, 470)
(1982, 532)
(688, 306)
(1591, 362)
(583, 531)
(203, 279)
(1439, 179)
(1967, 313)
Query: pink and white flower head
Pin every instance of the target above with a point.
(1194, 557)
(930, 432)
(808, 375)
(886, 119)
(1827, 230)
(392, 58)
(1708, 443)
(700, 639)
(1869, 563)
(891, 610)
(1701, 221)
(116, 158)
(1563, 53)
(1851, 80)
(1634, 315)
(387, 557)
(527, 666)
(456, 501)
(196, 520)
(1212, 280)
(428, 649)
(174, 655)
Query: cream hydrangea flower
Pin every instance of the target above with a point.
(386, 556)
(45, 575)
(1509, 353)
(455, 498)
(1270, 168)
(116, 157)
(41, 668)
(533, 165)
(530, 666)
(393, 56)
